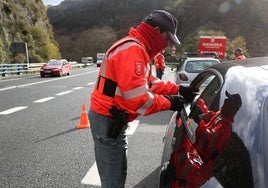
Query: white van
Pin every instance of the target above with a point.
(100, 57)
(86, 60)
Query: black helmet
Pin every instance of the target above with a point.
(167, 21)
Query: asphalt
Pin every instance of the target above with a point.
(168, 74)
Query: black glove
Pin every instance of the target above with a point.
(198, 108)
(177, 102)
(188, 93)
(196, 114)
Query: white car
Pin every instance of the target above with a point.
(190, 68)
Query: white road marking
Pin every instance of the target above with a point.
(7, 88)
(12, 110)
(44, 81)
(91, 83)
(44, 100)
(132, 126)
(11, 79)
(92, 177)
(64, 92)
(77, 88)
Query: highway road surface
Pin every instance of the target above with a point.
(40, 145)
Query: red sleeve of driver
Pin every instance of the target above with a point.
(132, 71)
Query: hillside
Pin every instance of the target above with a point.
(85, 27)
(26, 21)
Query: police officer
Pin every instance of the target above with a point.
(159, 62)
(125, 88)
(239, 54)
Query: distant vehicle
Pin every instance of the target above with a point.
(55, 67)
(244, 163)
(190, 68)
(100, 57)
(86, 60)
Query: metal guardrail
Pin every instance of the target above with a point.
(23, 68)
(13, 69)
(32, 68)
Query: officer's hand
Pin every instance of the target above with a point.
(176, 101)
(188, 93)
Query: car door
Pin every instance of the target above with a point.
(209, 83)
(227, 169)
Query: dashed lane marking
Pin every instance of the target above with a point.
(7, 88)
(44, 100)
(12, 110)
(77, 88)
(92, 177)
(132, 126)
(64, 92)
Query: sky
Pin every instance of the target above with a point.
(52, 2)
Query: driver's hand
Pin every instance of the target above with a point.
(188, 93)
(198, 109)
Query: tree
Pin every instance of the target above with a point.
(238, 42)
(2, 52)
(93, 41)
(4, 45)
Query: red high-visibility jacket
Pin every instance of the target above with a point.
(159, 61)
(240, 57)
(125, 80)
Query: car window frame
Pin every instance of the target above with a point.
(201, 78)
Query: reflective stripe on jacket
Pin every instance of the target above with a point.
(125, 80)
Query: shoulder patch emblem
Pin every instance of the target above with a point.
(138, 68)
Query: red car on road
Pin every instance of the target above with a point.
(55, 67)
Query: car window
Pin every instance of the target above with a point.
(211, 91)
(209, 84)
(53, 62)
(198, 66)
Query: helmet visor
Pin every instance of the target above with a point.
(173, 38)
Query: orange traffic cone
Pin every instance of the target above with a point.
(84, 122)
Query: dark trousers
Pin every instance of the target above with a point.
(110, 154)
(159, 73)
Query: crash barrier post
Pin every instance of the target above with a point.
(6, 69)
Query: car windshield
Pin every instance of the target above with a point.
(53, 62)
(197, 66)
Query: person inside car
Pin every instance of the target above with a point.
(191, 164)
